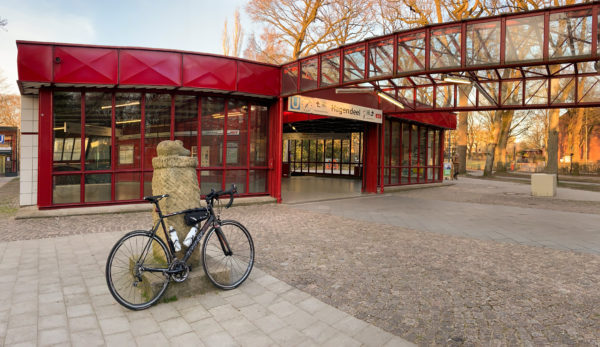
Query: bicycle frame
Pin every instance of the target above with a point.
(209, 222)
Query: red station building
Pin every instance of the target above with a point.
(96, 114)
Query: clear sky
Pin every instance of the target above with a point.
(194, 25)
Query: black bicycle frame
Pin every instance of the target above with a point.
(210, 222)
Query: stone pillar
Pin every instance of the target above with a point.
(175, 174)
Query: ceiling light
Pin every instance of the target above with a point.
(121, 105)
(390, 99)
(456, 79)
(129, 121)
(353, 90)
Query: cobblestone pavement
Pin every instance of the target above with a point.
(426, 287)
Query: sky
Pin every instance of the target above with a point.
(193, 25)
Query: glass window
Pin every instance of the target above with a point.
(445, 47)
(237, 177)
(387, 145)
(423, 146)
(97, 187)
(289, 80)
(536, 92)
(396, 127)
(444, 96)
(405, 144)
(381, 58)
(67, 131)
(128, 117)
(66, 189)
(354, 63)
(430, 143)
(237, 133)
(148, 184)
(483, 43)
(127, 186)
(411, 52)
(308, 78)
(157, 124)
(212, 125)
(330, 69)
(562, 90)
(259, 118)
(186, 122)
(570, 33)
(414, 145)
(524, 39)
(258, 181)
(98, 131)
(512, 92)
(210, 179)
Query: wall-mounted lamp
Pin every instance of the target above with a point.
(353, 90)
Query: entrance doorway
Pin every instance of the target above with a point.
(322, 159)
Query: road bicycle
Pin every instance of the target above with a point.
(140, 265)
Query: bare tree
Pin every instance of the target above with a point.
(3, 23)
(10, 105)
(232, 44)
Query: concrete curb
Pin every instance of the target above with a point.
(33, 212)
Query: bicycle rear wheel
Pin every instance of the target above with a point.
(228, 254)
(128, 283)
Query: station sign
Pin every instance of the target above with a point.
(324, 107)
(1, 138)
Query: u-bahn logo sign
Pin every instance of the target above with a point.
(324, 107)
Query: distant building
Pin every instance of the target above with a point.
(9, 164)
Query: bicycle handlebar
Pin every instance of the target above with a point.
(215, 195)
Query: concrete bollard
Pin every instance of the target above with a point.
(543, 184)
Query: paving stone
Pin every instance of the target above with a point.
(53, 336)
(114, 325)
(83, 323)
(79, 310)
(255, 338)
(21, 334)
(206, 327)
(23, 319)
(120, 339)
(219, 339)
(164, 312)
(282, 308)
(330, 315)
(224, 312)
(237, 326)
(189, 339)
(299, 319)
(373, 336)
(320, 331)
(341, 340)
(155, 339)
(287, 336)
(350, 325)
(174, 327)
(52, 309)
(239, 300)
(269, 323)
(195, 313)
(143, 326)
(254, 311)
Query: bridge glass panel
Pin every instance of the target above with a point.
(570, 34)
(354, 63)
(536, 92)
(309, 73)
(445, 47)
(289, 79)
(444, 96)
(491, 89)
(562, 90)
(330, 69)
(467, 95)
(589, 89)
(425, 97)
(483, 43)
(381, 58)
(524, 39)
(411, 52)
(512, 92)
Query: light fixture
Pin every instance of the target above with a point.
(456, 79)
(294, 128)
(133, 103)
(390, 99)
(129, 121)
(353, 90)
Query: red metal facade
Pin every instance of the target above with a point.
(34, 63)
(149, 68)
(80, 65)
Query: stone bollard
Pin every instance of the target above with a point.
(175, 174)
(543, 184)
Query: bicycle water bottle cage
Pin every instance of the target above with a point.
(194, 217)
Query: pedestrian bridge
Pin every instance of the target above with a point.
(539, 59)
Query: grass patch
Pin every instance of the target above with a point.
(169, 299)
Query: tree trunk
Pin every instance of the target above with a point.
(502, 141)
(462, 142)
(491, 148)
(552, 144)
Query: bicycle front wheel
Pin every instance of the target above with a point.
(127, 270)
(228, 254)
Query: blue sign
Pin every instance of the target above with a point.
(1, 138)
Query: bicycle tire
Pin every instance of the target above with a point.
(121, 279)
(228, 271)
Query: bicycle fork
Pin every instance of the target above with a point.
(223, 241)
